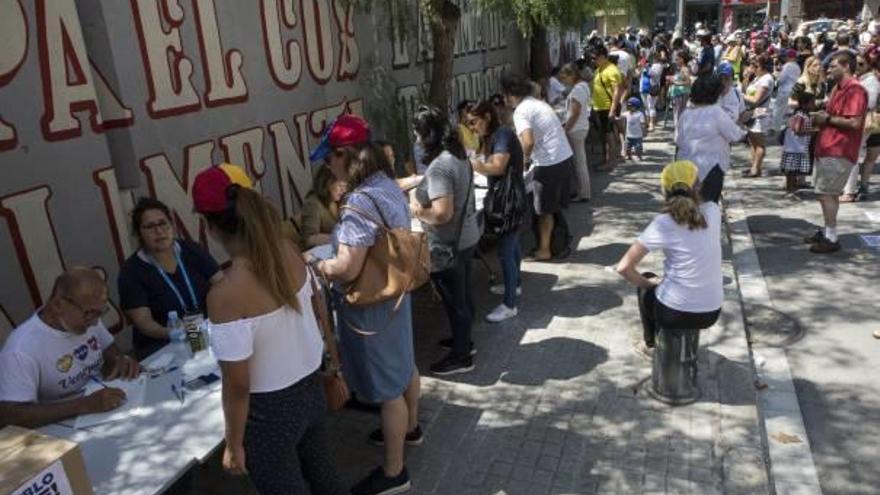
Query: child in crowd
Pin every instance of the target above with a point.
(796, 163)
(636, 127)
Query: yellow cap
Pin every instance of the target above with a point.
(680, 172)
(237, 175)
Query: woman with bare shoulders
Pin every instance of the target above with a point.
(268, 343)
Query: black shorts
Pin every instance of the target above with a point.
(873, 141)
(552, 187)
(606, 125)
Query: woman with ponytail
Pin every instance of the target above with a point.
(690, 293)
(267, 340)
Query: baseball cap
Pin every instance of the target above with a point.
(635, 102)
(790, 53)
(680, 172)
(725, 69)
(210, 189)
(346, 130)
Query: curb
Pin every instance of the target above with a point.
(791, 468)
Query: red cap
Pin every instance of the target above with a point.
(210, 188)
(346, 130)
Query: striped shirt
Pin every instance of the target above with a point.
(377, 190)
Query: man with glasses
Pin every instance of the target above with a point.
(48, 360)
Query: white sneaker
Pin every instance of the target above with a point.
(498, 290)
(500, 314)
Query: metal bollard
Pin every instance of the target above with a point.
(674, 367)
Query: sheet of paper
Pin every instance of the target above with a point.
(135, 391)
(872, 241)
(322, 252)
(873, 216)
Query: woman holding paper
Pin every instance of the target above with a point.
(267, 341)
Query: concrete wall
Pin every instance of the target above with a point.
(102, 101)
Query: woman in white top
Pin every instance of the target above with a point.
(705, 133)
(757, 97)
(690, 293)
(267, 341)
(577, 126)
(788, 76)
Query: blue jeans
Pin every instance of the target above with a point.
(454, 286)
(510, 256)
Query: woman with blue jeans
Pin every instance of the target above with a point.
(501, 159)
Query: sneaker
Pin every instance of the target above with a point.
(824, 246)
(376, 483)
(498, 290)
(815, 238)
(876, 334)
(415, 437)
(451, 365)
(446, 344)
(501, 313)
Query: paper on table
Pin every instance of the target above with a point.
(871, 240)
(322, 252)
(135, 391)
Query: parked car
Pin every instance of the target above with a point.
(820, 26)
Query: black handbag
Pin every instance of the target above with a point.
(504, 207)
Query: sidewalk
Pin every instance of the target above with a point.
(814, 322)
(557, 403)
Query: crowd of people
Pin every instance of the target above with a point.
(817, 94)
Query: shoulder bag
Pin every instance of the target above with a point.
(397, 263)
(504, 207)
(443, 256)
(335, 388)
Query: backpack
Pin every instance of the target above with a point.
(645, 83)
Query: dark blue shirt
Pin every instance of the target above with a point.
(505, 141)
(141, 286)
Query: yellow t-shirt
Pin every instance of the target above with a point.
(605, 83)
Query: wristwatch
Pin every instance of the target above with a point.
(827, 120)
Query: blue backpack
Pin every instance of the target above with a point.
(645, 82)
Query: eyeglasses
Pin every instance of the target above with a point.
(88, 314)
(160, 225)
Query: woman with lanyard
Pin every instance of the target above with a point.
(166, 274)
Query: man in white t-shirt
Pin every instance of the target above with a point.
(625, 63)
(548, 154)
(48, 360)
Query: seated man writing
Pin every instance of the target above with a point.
(48, 360)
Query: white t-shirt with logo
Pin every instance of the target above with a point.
(551, 143)
(692, 280)
(581, 94)
(40, 364)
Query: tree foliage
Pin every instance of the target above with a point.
(562, 14)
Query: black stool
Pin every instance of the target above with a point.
(674, 367)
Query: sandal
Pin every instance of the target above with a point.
(848, 198)
(749, 175)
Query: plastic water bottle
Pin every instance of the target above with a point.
(176, 334)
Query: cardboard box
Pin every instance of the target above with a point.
(35, 464)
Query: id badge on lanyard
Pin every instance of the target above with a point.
(187, 309)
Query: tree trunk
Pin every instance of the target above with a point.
(444, 25)
(540, 51)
